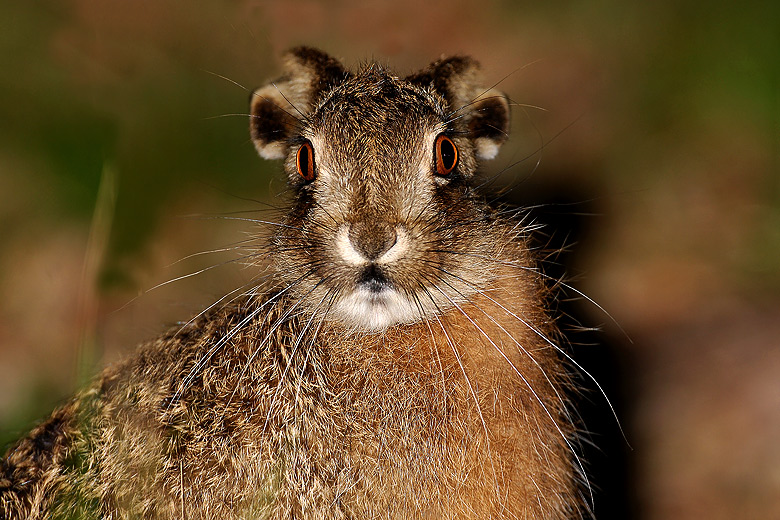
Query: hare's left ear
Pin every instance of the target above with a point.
(276, 108)
(486, 111)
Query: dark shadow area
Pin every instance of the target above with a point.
(568, 214)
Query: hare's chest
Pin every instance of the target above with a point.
(397, 447)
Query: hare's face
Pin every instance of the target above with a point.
(385, 227)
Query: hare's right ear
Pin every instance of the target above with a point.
(277, 108)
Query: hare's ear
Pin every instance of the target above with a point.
(278, 108)
(485, 111)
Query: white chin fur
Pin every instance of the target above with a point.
(376, 311)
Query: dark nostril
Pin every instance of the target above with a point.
(372, 239)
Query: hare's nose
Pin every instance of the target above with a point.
(372, 239)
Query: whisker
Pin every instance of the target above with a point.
(434, 346)
(253, 220)
(485, 294)
(494, 85)
(250, 292)
(564, 408)
(205, 359)
(473, 393)
(232, 114)
(289, 361)
(581, 467)
(179, 278)
(292, 116)
(226, 79)
(259, 346)
(304, 117)
(232, 247)
(570, 359)
(538, 272)
(224, 339)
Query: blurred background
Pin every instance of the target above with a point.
(650, 145)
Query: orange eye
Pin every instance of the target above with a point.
(446, 155)
(305, 161)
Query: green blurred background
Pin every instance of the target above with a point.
(123, 140)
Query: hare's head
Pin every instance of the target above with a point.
(385, 226)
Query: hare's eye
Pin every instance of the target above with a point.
(446, 155)
(305, 161)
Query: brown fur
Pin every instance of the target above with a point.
(278, 406)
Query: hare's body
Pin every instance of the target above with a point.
(396, 366)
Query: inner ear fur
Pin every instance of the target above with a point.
(276, 108)
(486, 111)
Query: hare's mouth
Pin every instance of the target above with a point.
(373, 280)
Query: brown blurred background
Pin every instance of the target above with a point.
(660, 168)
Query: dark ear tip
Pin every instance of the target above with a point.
(314, 59)
(457, 64)
(445, 68)
(305, 53)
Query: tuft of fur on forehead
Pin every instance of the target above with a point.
(368, 114)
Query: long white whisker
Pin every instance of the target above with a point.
(202, 363)
(503, 329)
(292, 354)
(226, 79)
(564, 408)
(434, 346)
(565, 438)
(303, 116)
(295, 118)
(189, 275)
(497, 83)
(224, 339)
(244, 219)
(258, 349)
(289, 360)
(563, 353)
(233, 247)
(473, 393)
(538, 272)
(251, 291)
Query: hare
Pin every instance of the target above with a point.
(400, 361)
